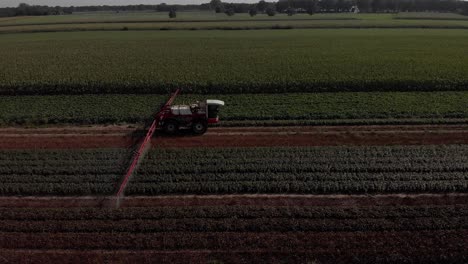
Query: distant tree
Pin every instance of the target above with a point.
(464, 9)
(340, 5)
(363, 5)
(230, 12)
(219, 9)
(328, 5)
(291, 11)
(217, 5)
(262, 6)
(253, 12)
(376, 5)
(270, 11)
(172, 14)
(22, 9)
(162, 7)
(311, 7)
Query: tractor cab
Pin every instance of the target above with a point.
(213, 107)
(195, 117)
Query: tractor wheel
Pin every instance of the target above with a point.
(171, 127)
(199, 127)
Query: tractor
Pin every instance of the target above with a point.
(171, 118)
(194, 117)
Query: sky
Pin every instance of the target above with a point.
(14, 3)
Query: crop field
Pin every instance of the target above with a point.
(230, 233)
(301, 108)
(226, 62)
(299, 170)
(190, 204)
(344, 139)
(211, 21)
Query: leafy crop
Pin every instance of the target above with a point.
(220, 62)
(249, 109)
(330, 234)
(239, 170)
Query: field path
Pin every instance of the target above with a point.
(122, 136)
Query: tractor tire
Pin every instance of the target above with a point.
(199, 127)
(170, 127)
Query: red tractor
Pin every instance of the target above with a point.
(195, 117)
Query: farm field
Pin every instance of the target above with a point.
(346, 144)
(227, 62)
(206, 233)
(209, 21)
(286, 170)
(245, 110)
(113, 17)
(326, 204)
(144, 17)
(236, 204)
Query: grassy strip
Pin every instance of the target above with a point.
(249, 109)
(220, 62)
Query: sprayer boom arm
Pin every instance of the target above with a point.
(139, 153)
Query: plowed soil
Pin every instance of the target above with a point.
(118, 136)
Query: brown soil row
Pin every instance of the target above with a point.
(222, 256)
(235, 200)
(111, 137)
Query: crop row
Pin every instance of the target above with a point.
(154, 155)
(240, 109)
(452, 240)
(298, 176)
(220, 62)
(235, 225)
(234, 212)
(227, 177)
(375, 247)
(246, 167)
(226, 187)
(295, 187)
(241, 170)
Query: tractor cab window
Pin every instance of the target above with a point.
(213, 111)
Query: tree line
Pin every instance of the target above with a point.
(270, 8)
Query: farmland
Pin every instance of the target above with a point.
(208, 233)
(236, 203)
(326, 170)
(112, 21)
(340, 145)
(220, 62)
(305, 108)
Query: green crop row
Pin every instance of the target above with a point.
(241, 212)
(220, 62)
(252, 109)
(305, 170)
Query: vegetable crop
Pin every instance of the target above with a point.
(305, 170)
(252, 109)
(220, 62)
